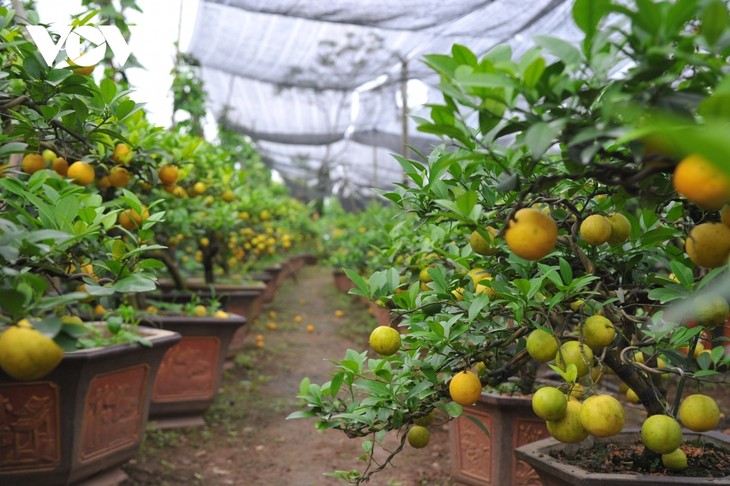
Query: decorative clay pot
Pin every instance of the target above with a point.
(479, 459)
(84, 419)
(190, 373)
(555, 473)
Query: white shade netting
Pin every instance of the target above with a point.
(321, 80)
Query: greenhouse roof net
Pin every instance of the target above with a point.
(320, 81)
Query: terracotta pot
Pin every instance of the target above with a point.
(270, 283)
(555, 473)
(383, 315)
(84, 419)
(479, 459)
(342, 281)
(190, 373)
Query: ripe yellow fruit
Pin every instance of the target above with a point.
(32, 163)
(598, 332)
(620, 228)
(699, 412)
(27, 354)
(675, 460)
(204, 242)
(200, 311)
(310, 328)
(602, 415)
(481, 245)
(228, 196)
(130, 219)
(119, 177)
(199, 188)
(573, 352)
(82, 70)
(49, 155)
(271, 326)
(661, 433)
(708, 244)
(465, 388)
(711, 311)
(168, 174)
(542, 346)
(179, 192)
(423, 275)
(272, 314)
(549, 403)
(457, 293)
(595, 229)
(385, 340)
(298, 319)
(418, 436)
(103, 182)
(221, 314)
(339, 313)
(532, 234)
(697, 179)
(81, 173)
(122, 154)
(60, 166)
(632, 397)
(569, 428)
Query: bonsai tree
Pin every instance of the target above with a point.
(584, 193)
(73, 236)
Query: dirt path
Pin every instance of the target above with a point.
(247, 440)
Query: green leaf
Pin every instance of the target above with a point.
(454, 409)
(135, 283)
(539, 137)
(479, 424)
(462, 55)
(301, 414)
(683, 273)
(108, 90)
(588, 13)
(564, 50)
(533, 72)
(715, 20)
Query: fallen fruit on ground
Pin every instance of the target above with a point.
(385, 340)
(661, 433)
(465, 388)
(699, 413)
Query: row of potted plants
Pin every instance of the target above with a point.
(577, 214)
(87, 208)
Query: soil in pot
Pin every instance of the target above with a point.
(703, 459)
